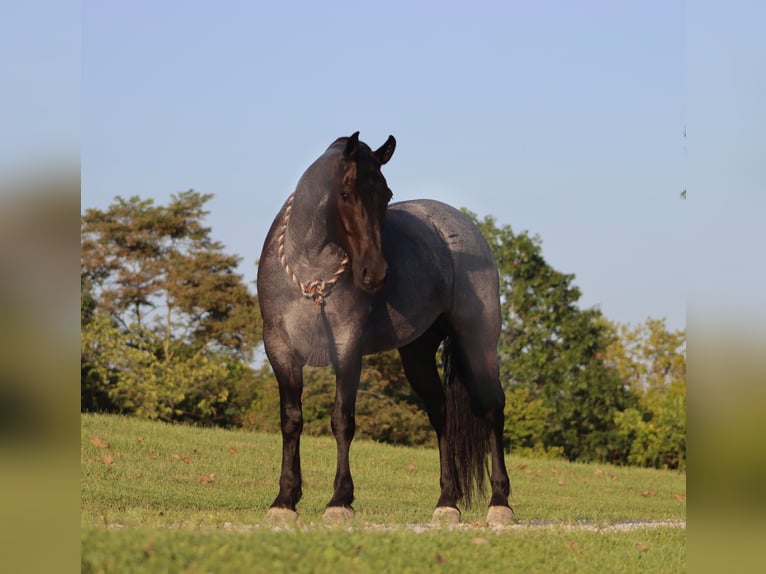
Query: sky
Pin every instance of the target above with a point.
(565, 119)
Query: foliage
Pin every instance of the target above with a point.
(652, 362)
(387, 409)
(526, 418)
(564, 396)
(168, 327)
(169, 331)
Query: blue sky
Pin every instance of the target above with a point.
(565, 119)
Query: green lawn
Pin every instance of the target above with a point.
(159, 497)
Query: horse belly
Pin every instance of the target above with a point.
(393, 327)
(418, 286)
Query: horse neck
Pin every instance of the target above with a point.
(310, 235)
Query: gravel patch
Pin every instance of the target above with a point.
(584, 526)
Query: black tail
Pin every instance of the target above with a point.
(467, 434)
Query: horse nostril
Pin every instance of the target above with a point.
(372, 277)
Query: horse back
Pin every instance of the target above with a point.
(439, 265)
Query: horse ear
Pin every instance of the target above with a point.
(352, 146)
(384, 152)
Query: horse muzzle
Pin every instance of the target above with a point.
(370, 278)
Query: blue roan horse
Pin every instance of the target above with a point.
(343, 274)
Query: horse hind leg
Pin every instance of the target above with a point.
(419, 361)
(478, 361)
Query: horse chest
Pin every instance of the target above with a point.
(318, 337)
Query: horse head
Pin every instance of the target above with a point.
(360, 199)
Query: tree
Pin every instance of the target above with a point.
(387, 409)
(651, 361)
(552, 356)
(168, 326)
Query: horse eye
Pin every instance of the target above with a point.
(345, 196)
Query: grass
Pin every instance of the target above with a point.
(159, 497)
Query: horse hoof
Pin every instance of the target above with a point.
(445, 515)
(499, 515)
(334, 515)
(281, 518)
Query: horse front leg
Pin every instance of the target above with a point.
(290, 380)
(343, 424)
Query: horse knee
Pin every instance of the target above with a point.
(343, 424)
(292, 420)
(491, 400)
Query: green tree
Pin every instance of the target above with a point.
(651, 361)
(387, 409)
(168, 326)
(552, 356)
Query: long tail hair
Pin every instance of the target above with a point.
(467, 434)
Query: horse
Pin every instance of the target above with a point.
(344, 274)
